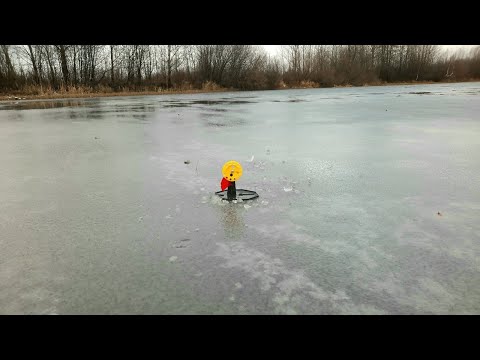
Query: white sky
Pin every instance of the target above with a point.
(275, 49)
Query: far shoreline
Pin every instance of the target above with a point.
(18, 95)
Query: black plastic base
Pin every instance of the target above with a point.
(241, 194)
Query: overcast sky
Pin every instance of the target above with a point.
(274, 49)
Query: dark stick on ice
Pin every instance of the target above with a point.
(232, 192)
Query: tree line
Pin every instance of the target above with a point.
(35, 68)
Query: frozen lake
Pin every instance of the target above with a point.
(369, 203)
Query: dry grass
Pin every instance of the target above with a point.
(211, 86)
(383, 83)
(307, 84)
(37, 92)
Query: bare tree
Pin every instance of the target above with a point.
(10, 71)
(62, 55)
(172, 61)
(137, 67)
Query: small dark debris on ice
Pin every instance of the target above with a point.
(180, 246)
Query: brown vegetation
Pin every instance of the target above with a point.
(46, 71)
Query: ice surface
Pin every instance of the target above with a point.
(346, 221)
